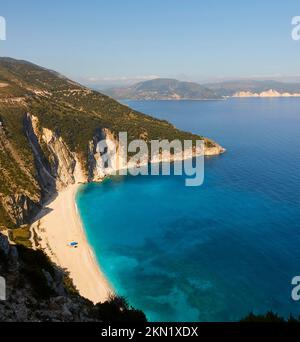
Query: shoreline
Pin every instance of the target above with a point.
(57, 225)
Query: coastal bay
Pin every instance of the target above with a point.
(219, 251)
(139, 243)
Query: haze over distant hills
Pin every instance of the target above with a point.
(171, 89)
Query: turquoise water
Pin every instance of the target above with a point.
(216, 252)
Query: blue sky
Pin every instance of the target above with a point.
(119, 40)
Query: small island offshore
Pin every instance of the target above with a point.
(49, 130)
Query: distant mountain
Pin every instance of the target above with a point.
(171, 89)
(231, 88)
(163, 89)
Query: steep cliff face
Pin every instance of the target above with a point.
(105, 157)
(56, 165)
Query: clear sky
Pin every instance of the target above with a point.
(109, 40)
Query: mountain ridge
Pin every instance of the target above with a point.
(172, 89)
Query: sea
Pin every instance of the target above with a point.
(219, 251)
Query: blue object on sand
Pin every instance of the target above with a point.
(72, 244)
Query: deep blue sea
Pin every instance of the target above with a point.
(215, 252)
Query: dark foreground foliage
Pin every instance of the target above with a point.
(117, 309)
(270, 317)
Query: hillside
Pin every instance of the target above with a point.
(163, 89)
(49, 130)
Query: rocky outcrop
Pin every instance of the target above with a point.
(61, 160)
(112, 150)
(104, 155)
(36, 290)
(94, 157)
(20, 208)
(24, 303)
(214, 150)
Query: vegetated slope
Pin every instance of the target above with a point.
(49, 129)
(163, 89)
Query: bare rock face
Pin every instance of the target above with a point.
(61, 160)
(20, 208)
(93, 157)
(54, 161)
(214, 150)
(45, 178)
(98, 166)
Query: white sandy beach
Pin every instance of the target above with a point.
(57, 229)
